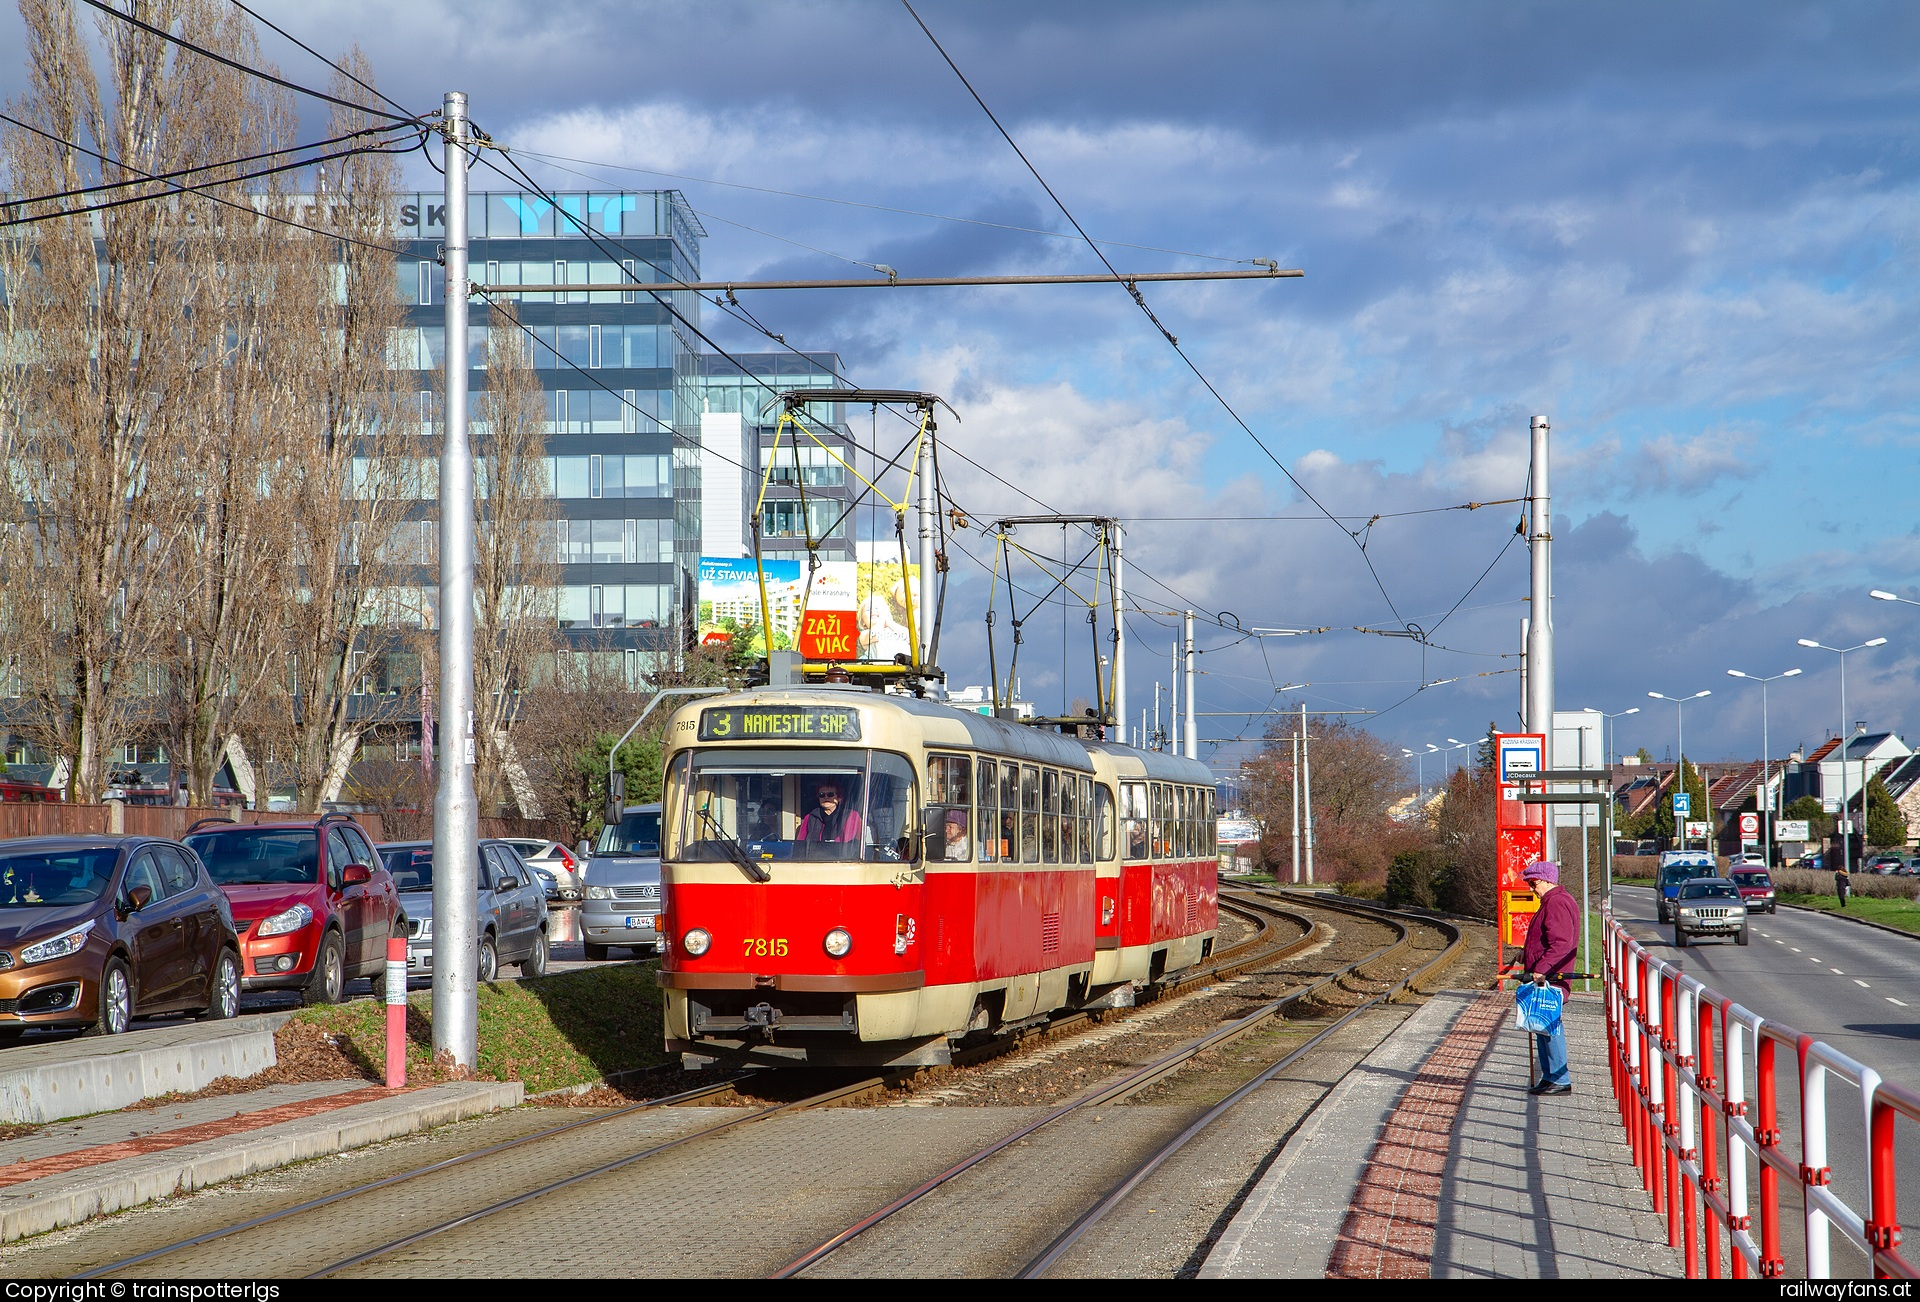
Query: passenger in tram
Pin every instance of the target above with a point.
(830, 820)
(955, 848)
(1136, 838)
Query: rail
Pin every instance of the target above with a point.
(1697, 1080)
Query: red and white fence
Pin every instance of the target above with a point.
(1696, 1077)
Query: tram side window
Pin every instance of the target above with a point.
(1158, 835)
(987, 829)
(1009, 813)
(1133, 811)
(1069, 818)
(1029, 815)
(1210, 828)
(1049, 816)
(949, 811)
(1103, 817)
(1186, 822)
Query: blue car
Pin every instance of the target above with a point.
(1677, 867)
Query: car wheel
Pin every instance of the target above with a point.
(489, 960)
(535, 963)
(1680, 940)
(596, 953)
(329, 981)
(223, 988)
(1741, 939)
(116, 999)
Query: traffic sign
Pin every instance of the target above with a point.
(1749, 825)
(1682, 804)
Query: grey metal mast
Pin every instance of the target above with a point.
(1540, 617)
(456, 821)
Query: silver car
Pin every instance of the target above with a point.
(552, 857)
(513, 908)
(622, 885)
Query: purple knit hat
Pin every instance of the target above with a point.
(1542, 870)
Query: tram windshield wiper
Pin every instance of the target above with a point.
(735, 851)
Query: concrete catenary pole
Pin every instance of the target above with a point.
(1540, 617)
(1306, 778)
(456, 821)
(928, 505)
(1295, 784)
(1119, 636)
(1193, 734)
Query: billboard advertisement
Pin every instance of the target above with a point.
(857, 610)
(849, 611)
(730, 600)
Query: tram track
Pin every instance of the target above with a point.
(1158, 1070)
(1263, 946)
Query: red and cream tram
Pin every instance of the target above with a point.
(860, 878)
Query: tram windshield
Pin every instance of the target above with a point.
(846, 805)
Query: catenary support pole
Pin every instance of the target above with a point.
(1119, 635)
(456, 822)
(1306, 771)
(1295, 784)
(1540, 615)
(929, 503)
(1193, 736)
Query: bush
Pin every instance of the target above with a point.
(1418, 879)
(1810, 881)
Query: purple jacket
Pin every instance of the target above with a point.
(1554, 938)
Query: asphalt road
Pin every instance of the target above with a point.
(1855, 987)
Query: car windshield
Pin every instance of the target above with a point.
(1682, 872)
(256, 856)
(47, 880)
(1752, 879)
(637, 833)
(797, 804)
(1708, 891)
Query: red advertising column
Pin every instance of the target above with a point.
(1520, 835)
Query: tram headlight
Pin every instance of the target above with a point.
(838, 942)
(696, 942)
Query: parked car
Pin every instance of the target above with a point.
(1810, 861)
(554, 858)
(313, 902)
(1756, 889)
(623, 889)
(1886, 865)
(1709, 906)
(513, 909)
(1678, 867)
(98, 930)
(548, 884)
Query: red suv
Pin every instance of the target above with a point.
(312, 902)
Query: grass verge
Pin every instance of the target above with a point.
(1904, 914)
(565, 1029)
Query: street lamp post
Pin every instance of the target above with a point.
(1766, 753)
(1419, 773)
(1846, 840)
(1680, 770)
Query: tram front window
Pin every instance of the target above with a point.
(841, 805)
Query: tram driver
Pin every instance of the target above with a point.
(831, 819)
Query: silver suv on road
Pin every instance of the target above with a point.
(622, 896)
(1709, 906)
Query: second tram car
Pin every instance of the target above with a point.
(857, 878)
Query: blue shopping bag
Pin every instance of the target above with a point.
(1536, 1008)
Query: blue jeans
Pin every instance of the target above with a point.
(1551, 1052)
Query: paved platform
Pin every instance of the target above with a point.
(1431, 1160)
(46, 1081)
(67, 1173)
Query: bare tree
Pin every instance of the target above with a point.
(352, 468)
(107, 317)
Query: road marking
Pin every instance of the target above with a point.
(1863, 985)
(1794, 948)
(1892, 1000)
(1779, 942)
(1836, 971)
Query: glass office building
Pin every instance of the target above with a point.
(621, 378)
(809, 489)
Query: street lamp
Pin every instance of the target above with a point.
(1766, 776)
(1455, 744)
(1846, 841)
(1606, 721)
(1419, 778)
(1680, 771)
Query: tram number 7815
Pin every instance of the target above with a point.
(761, 947)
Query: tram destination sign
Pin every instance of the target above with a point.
(779, 723)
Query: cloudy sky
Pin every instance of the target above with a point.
(1684, 233)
